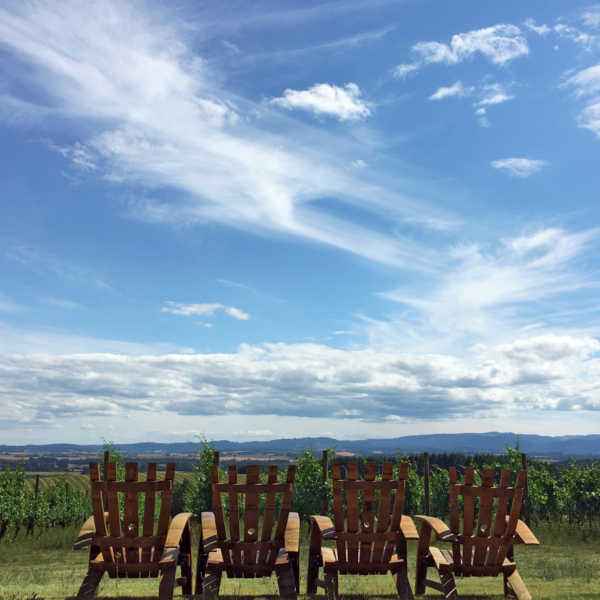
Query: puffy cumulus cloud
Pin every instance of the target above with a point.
(154, 115)
(519, 167)
(551, 347)
(203, 310)
(307, 380)
(344, 103)
(499, 44)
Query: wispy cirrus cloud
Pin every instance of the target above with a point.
(487, 293)
(519, 167)
(123, 73)
(586, 86)
(456, 90)
(207, 309)
(498, 44)
(344, 103)
(44, 262)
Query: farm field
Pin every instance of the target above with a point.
(79, 481)
(567, 565)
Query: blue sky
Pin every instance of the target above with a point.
(252, 220)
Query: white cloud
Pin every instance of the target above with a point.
(359, 163)
(492, 94)
(455, 90)
(307, 380)
(203, 310)
(499, 44)
(569, 32)
(519, 167)
(489, 293)
(541, 29)
(405, 69)
(344, 103)
(43, 262)
(586, 85)
(123, 73)
(485, 95)
(591, 16)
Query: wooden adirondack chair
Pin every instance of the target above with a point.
(370, 535)
(270, 544)
(490, 526)
(116, 546)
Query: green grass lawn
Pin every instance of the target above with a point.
(565, 566)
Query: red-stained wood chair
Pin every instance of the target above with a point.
(369, 530)
(267, 545)
(119, 548)
(482, 534)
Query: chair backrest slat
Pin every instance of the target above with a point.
(269, 516)
(164, 517)
(367, 515)
(338, 511)
(98, 509)
(234, 515)
(384, 514)
(468, 516)
(490, 515)
(256, 549)
(251, 513)
(131, 522)
(149, 508)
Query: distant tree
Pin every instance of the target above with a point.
(310, 491)
(198, 495)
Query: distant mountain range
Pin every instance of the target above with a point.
(468, 443)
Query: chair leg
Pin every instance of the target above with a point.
(200, 571)
(295, 563)
(286, 581)
(514, 586)
(403, 585)
(448, 584)
(185, 561)
(211, 584)
(312, 574)
(332, 586)
(167, 583)
(89, 585)
(421, 575)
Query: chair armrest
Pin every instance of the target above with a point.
(524, 535)
(323, 527)
(176, 529)
(86, 534)
(442, 531)
(292, 533)
(208, 531)
(408, 528)
(174, 534)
